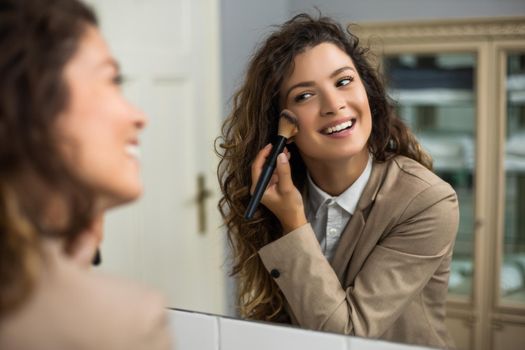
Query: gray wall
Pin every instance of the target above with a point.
(243, 25)
(397, 10)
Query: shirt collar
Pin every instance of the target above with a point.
(346, 200)
(316, 196)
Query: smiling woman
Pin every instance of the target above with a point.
(356, 232)
(68, 141)
(334, 91)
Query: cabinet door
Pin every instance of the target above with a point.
(508, 323)
(512, 265)
(436, 97)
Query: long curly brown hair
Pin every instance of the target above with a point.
(251, 125)
(37, 39)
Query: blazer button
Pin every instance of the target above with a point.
(275, 273)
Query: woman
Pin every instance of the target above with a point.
(356, 233)
(68, 152)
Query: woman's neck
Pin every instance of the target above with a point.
(83, 247)
(334, 177)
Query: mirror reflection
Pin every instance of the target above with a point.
(183, 67)
(349, 237)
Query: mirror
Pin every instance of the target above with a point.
(182, 62)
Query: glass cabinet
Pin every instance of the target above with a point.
(460, 86)
(435, 96)
(512, 269)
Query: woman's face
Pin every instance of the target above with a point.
(326, 93)
(99, 128)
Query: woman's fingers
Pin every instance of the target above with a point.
(273, 180)
(258, 164)
(285, 183)
(281, 180)
(281, 197)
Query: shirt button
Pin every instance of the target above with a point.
(332, 232)
(275, 273)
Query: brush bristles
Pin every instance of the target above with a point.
(288, 125)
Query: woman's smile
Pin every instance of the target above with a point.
(339, 129)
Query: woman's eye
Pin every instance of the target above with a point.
(118, 79)
(302, 97)
(344, 81)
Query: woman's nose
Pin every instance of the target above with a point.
(332, 103)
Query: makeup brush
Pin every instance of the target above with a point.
(288, 127)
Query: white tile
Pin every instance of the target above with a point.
(193, 331)
(355, 343)
(245, 335)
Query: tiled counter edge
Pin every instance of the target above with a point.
(199, 331)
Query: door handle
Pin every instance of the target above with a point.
(202, 194)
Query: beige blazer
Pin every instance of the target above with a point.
(75, 308)
(389, 275)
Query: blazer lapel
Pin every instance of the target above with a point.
(355, 227)
(347, 243)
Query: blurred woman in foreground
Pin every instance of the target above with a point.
(68, 146)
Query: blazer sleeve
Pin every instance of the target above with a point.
(395, 272)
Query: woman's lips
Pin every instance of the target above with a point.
(132, 149)
(339, 129)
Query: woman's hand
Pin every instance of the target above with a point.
(281, 196)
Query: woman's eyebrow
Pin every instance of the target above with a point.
(342, 69)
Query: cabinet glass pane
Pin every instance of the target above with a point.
(436, 98)
(512, 272)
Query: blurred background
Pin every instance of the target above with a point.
(457, 71)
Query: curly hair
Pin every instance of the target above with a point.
(251, 125)
(37, 39)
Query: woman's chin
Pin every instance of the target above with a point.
(119, 197)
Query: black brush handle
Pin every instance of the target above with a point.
(266, 175)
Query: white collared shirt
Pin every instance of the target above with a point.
(329, 215)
